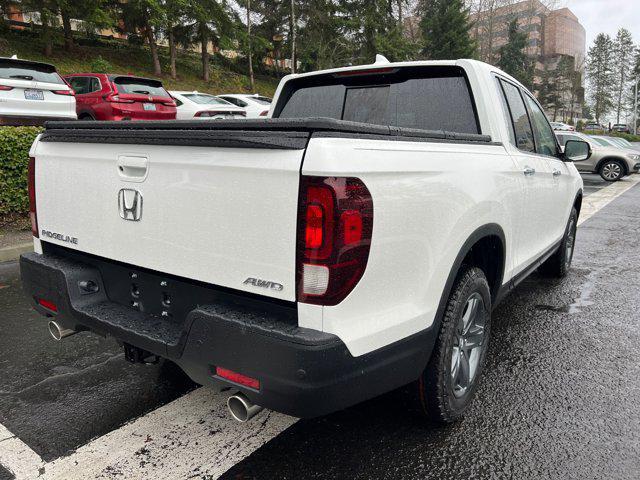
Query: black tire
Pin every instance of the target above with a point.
(86, 116)
(439, 393)
(611, 170)
(558, 264)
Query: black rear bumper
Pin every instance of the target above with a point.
(302, 372)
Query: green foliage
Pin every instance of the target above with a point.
(100, 65)
(445, 27)
(125, 59)
(135, 40)
(513, 58)
(600, 75)
(15, 143)
(629, 137)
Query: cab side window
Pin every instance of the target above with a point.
(546, 140)
(519, 117)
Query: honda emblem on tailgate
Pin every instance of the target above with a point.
(130, 204)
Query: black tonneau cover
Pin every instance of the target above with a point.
(277, 133)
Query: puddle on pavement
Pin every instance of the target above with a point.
(586, 289)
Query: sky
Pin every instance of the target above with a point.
(606, 16)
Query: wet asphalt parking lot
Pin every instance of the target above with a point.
(559, 397)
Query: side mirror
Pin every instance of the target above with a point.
(576, 151)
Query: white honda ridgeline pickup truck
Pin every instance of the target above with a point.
(355, 242)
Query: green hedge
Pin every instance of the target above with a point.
(628, 136)
(15, 143)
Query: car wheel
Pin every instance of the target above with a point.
(448, 383)
(558, 264)
(612, 170)
(86, 117)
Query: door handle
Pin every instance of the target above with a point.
(528, 171)
(556, 172)
(133, 168)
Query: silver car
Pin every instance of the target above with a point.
(610, 161)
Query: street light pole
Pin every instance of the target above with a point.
(635, 108)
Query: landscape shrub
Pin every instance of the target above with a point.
(15, 143)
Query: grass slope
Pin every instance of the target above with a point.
(125, 58)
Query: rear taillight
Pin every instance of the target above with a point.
(116, 99)
(5, 88)
(31, 180)
(169, 104)
(113, 96)
(265, 113)
(64, 92)
(334, 237)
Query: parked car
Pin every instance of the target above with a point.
(255, 105)
(621, 127)
(309, 264)
(33, 92)
(101, 96)
(610, 161)
(559, 126)
(203, 106)
(593, 127)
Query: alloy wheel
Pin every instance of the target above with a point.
(468, 345)
(571, 241)
(611, 171)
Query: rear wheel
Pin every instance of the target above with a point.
(558, 264)
(86, 116)
(612, 170)
(448, 384)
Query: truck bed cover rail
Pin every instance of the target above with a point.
(276, 133)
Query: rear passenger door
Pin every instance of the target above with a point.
(533, 236)
(547, 147)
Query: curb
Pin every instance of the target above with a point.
(8, 254)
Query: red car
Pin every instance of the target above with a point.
(120, 97)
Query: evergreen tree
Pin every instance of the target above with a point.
(445, 28)
(513, 58)
(600, 75)
(623, 51)
(373, 28)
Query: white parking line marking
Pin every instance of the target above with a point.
(597, 200)
(16, 456)
(191, 437)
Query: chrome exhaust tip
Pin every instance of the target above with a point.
(241, 408)
(58, 332)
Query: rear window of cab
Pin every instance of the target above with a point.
(427, 98)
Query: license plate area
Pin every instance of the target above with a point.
(154, 289)
(33, 94)
(149, 107)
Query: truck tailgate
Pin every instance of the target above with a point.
(220, 214)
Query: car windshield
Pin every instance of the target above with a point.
(617, 142)
(623, 141)
(603, 142)
(32, 71)
(141, 86)
(204, 99)
(262, 100)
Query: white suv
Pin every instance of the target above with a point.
(32, 92)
